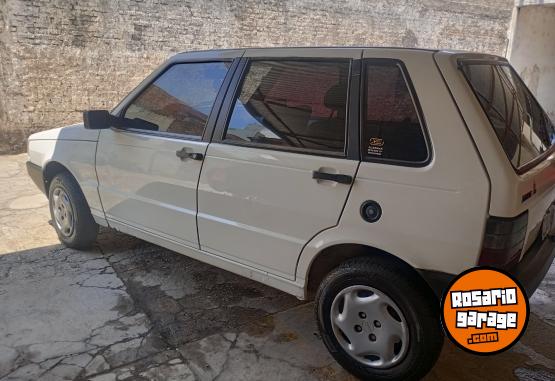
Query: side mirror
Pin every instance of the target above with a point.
(98, 119)
(101, 119)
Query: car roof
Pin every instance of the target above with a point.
(306, 50)
(270, 48)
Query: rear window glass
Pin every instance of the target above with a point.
(298, 105)
(522, 127)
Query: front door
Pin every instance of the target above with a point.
(278, 170)
(148, 174)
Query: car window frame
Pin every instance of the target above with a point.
(214, 111)
(470, 61)
(417, 107)
(235, 90)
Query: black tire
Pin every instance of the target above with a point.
(85, 229)
(414, 298)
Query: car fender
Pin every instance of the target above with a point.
(339, 235)
(74, 148)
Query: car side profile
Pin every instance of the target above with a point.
(362, 178)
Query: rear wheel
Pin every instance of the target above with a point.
(379, 320)
(70, 213)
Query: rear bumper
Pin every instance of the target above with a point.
(35, 173)
(530, 271)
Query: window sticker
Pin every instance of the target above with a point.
(375, 146)
(484, 311)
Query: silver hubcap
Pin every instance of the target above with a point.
(369, 326)
(63, 212)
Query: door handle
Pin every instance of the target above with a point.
(338, 178)
(183, 154)
(195, 156)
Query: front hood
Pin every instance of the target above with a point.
(72, 132)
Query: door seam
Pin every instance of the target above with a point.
(329, 227)
(98, 180)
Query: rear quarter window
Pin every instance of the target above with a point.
(392, 129)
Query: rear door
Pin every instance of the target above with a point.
(281, 164)
(148, 174)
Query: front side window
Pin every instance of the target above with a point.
(522, 127)
(292, 104)
(391, 129)
(180, 100)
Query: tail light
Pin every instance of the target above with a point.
(503, 241)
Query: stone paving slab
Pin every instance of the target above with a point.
(23, 209)
(184, 298)
(62, 309)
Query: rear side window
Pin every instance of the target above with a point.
(299, 105)
(180, 100)
(391, 129)
(522, 127)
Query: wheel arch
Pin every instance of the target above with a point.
(332, 256)
(53, 168)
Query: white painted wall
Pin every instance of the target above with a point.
(532, 51)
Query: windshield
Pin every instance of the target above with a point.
(523, 128)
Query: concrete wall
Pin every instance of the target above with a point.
(60, 57)
(532, 51)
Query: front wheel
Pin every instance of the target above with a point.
(70, 213)
(379, 320)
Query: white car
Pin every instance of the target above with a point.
(365, 178)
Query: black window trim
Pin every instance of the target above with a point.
(461, 62)
(233, 94)
(214, 111)
(416, 103)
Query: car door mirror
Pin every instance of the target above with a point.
(138, 123)
(101, 119)
(98, 119)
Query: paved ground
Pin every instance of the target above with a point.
(132, 310)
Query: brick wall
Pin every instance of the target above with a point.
(60, 57)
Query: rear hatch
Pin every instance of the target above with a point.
(515, 138)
